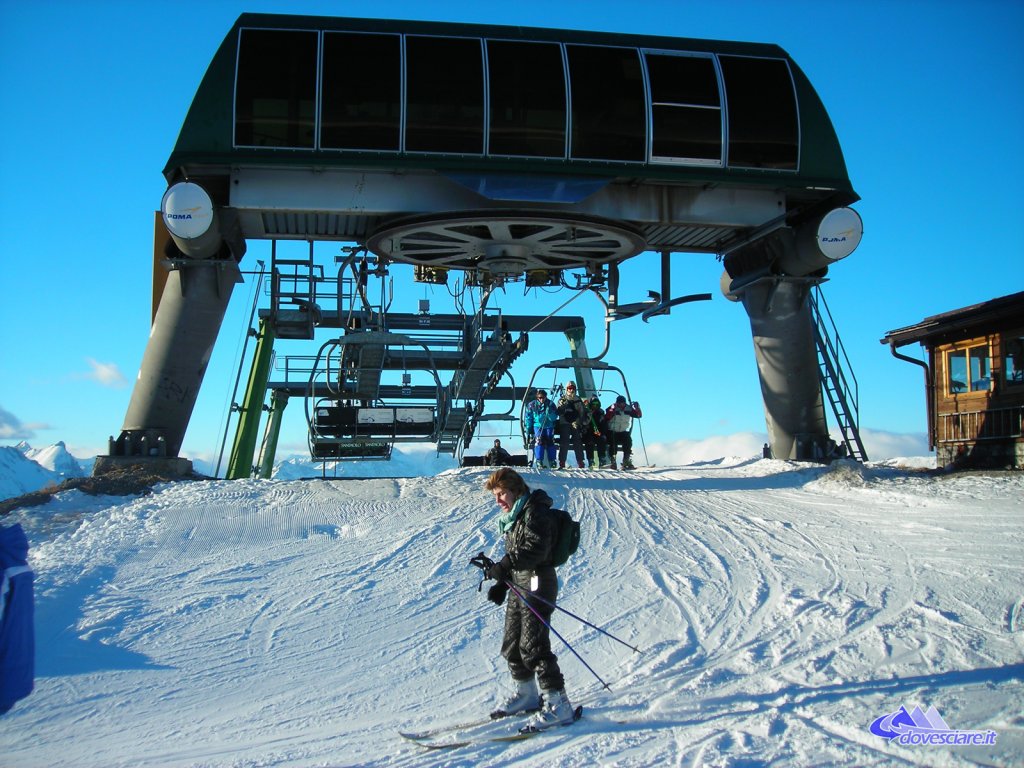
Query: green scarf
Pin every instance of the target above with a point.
(506, 521)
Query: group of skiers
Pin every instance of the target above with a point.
(595, 434)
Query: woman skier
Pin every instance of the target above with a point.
(529, 531)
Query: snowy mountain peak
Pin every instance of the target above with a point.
(20, 475)
(24, 469)
(57, 459)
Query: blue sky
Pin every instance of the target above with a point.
(927, 99)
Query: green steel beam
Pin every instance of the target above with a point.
(578, 348)
(278, 402)
(241, 463)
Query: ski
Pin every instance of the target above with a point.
(520, 735)
(441, 730)
(466, 726)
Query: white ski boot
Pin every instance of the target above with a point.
(525, 698)
(556, 710)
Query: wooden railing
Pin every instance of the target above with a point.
(972, 426)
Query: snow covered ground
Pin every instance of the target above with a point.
(779, 610)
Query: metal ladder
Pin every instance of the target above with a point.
(837, 378)
(293, 295)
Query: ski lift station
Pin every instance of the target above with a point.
(480, 156)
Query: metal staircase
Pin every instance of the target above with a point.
(837, 379)
(489, 352)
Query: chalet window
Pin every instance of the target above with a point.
(527, 99)
(275, 90)
(763, 124)
(1013, 361)
(361, 106)
(609, 108)
(444, 95)
(969, 370)
(686, 109)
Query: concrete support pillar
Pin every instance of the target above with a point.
(181, 341)
(787, 365)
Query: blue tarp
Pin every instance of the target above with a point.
(17, 630)
(529, 188)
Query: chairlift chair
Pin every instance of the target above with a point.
(557, 388)
(346, 424)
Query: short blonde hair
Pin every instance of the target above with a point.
(507, 480)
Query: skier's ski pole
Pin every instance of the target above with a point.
(483, 562)
(592, 626)
(548, 625)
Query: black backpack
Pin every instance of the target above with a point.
(567, 537)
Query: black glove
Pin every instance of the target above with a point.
(496, 594)
(499, 571)
(483, 562)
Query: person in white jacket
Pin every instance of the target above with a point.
(620, 421)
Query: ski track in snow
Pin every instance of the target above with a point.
(778, 610)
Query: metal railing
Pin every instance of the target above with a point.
(838, 380)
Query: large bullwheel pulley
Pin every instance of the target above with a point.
(506, 244)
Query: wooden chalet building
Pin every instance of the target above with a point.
(974, 374)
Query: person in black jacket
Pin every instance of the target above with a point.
(572, 414)
(529, 532)
(595, 435)
(498, 456)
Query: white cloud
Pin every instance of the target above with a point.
(106, 374)
(891, 445)
(878, 444)
(11, 427)
(691, 451)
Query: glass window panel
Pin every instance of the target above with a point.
(686, 112)
(527, 99)
(444, 95)
(956, 365)
(682, 132)
(275, 89)
(608, 103)
(683, 80)
(981, 368)
(762, 113)
(1013, 363)
(362, 91)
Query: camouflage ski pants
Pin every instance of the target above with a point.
(526, 645)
